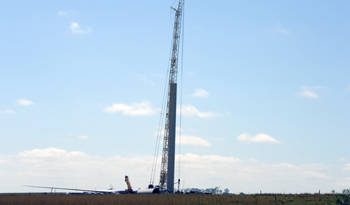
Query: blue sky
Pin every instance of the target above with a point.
(265, 85)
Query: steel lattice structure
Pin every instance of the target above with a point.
(168, 157)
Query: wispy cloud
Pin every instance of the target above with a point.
(186, 139)
(133, 109)
(24, 102)
(48, 153)
(280, 30)
(9, 111)
(62, 13)
(219, 139)
(75, 29)
(145, 80)
(258, 138)
(83, 137)
(191, 111)
(309, 91)
(192, 140)
(200, 93)
(308, 94)
(342, 159)
(316, 175)
(191, 73)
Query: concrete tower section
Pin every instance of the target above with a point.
(172, 137)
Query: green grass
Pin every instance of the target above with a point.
(185, 199)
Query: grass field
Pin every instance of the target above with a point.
(169, 199)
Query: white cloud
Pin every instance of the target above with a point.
(67, 13)
(83, 137)
(0, 111)
(258, 138)
(308, 91)
(219, 139)
(192, 140)
(280, 30)
(9, 111)
(342, 159)
(61, 168)
(308, 94)
(191, 111)
(25, 102)
(178, 129)
(62, 13)
(314, 87)
(45, 154)
(75, 29)
(145, 80)
(186, 139)
(134, 109)
(315, 174)
(282, 165)
(347, 167)
(191, 73)
(200, 93)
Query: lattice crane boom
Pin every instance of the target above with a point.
(168, 156)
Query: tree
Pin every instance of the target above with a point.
(226, 191)
(216, 190)
(344, 198)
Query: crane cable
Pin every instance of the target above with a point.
(161, 118)
(182, 60)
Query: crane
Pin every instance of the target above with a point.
(168, 156)
(129, 190)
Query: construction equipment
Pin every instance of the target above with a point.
(129, 190)
(168, 156)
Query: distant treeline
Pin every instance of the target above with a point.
(215, 190)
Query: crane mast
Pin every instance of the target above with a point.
(168, 156)
(129, 190)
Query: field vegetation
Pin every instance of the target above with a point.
(186, 199)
